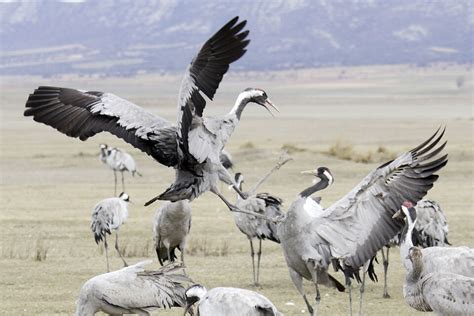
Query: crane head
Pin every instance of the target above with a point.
(414, 254)
(259, 96)
(124, 196)
(193, 294)
(323, 173)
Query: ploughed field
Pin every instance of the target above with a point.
(347, 119)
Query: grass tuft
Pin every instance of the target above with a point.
(346, 151)
(291, 148)
(201, 247)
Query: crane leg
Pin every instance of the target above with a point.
(234, 208)
(349, 286)
(298, 282)
(169, 254)
(259, 255)
(314, 276)
(181, 248)
(362, 289)
(115, 181)
(385, 269)
(252, 254)
(106, 246)
(118, 250)
(123, 182)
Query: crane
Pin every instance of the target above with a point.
(351, 231)
(192, 146)
(118, 160)
(228, 301)
(107, 215)
(133, 290)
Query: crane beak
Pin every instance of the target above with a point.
(311, 172)
(268, 104)
(398, 215)
(189, 305)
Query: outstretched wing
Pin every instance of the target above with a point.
(83, 114)
(361, 223)
(204, 75)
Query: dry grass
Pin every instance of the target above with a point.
(50, 199)
(36, 250)
(291, 148)
(344, 151)
(202, 247)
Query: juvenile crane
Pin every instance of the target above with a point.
(108, 215)
(435, 259)
(192, 146)
(443, 292)
(228, 301)
(118, 160)
(431, 229)
(352, 230)
(171, 226)
(133, 290)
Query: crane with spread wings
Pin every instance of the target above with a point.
(192, 146)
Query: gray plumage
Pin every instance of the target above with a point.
(229, 301)
(108, 215)
(226, 159)
(431, 225)
(253, 227)
(431, 229)
(351, 231)
(118, 160)
(171, 226)
(443, 292)
(192, 146)
(435, 259)
(133, 290)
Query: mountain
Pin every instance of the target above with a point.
(125, 37)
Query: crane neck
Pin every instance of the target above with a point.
(407, 242)
(242, 100)
(239, 186)
(417, 268)
(318, 186)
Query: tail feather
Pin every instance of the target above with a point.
(162, 254)
(338, 285)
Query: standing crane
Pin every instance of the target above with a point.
(228, 301)
(133, 290)
(108, 215)
(118, 160)
(351, 231)
(253, 227)
(192, 146)
(171, 226)
(443, 292)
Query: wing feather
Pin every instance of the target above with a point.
(204, 75)
(364, 216)
(82, 114)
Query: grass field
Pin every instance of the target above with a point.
(49, 182)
